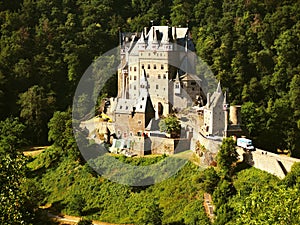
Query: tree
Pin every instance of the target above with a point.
(11, 134)
(16, 207)
(210, 180)
(36, 110)
(194, 213)
(61, 133)
(227, 156)
(170, 125)
(222, 193)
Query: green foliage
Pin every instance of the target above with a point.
(227, 156)
(194, 214)
(61, 133)
(11, 134)
(17, 198)
(73, 188)
(85, 222)
(253, 49)
(210, 180)
(14, 202)
(292, 178)
(36, 109)
(170, 125)
(224, 190)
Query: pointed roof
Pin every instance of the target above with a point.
(177, 76)
(142, 38)
(219, 89)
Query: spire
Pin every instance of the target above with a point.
(225, 98)
(142, 38)
(219, 90)
(186, 44)
(177, 76)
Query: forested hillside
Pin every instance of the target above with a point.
(251, 46)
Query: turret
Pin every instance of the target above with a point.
(155, 43)
(177, 87)
(142, 45)
(166, 42)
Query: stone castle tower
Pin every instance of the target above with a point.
(162, 53)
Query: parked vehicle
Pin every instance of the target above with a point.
(245, 143)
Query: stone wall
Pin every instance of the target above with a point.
(168, 146)
(278, 165)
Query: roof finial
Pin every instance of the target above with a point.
(177, 76)
(219, 89)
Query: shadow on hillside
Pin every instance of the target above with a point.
(241, 166)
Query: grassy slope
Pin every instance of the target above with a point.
(69, 184)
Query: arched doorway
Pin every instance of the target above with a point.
(160, 109)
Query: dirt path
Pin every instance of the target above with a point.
(34, 151)
(72, 220)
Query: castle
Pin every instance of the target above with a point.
(157, 76)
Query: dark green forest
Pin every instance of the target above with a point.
(251, 46)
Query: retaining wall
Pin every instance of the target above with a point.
(278, 165)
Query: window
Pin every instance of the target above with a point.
(159, 76)
(134, 77)
(177, 86)
(141, 106)
(193, 89)
(147, 75)
(162, 66)
(120, 107)
(134, 87)
(139, 122)
(154, 67)
(126, 107)
(149, 54)
(193, 83)
(143, 98)
(165, 76)
(148, 66)
(143, 66)
(130, 78)
(157, 86)
(134, 69)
